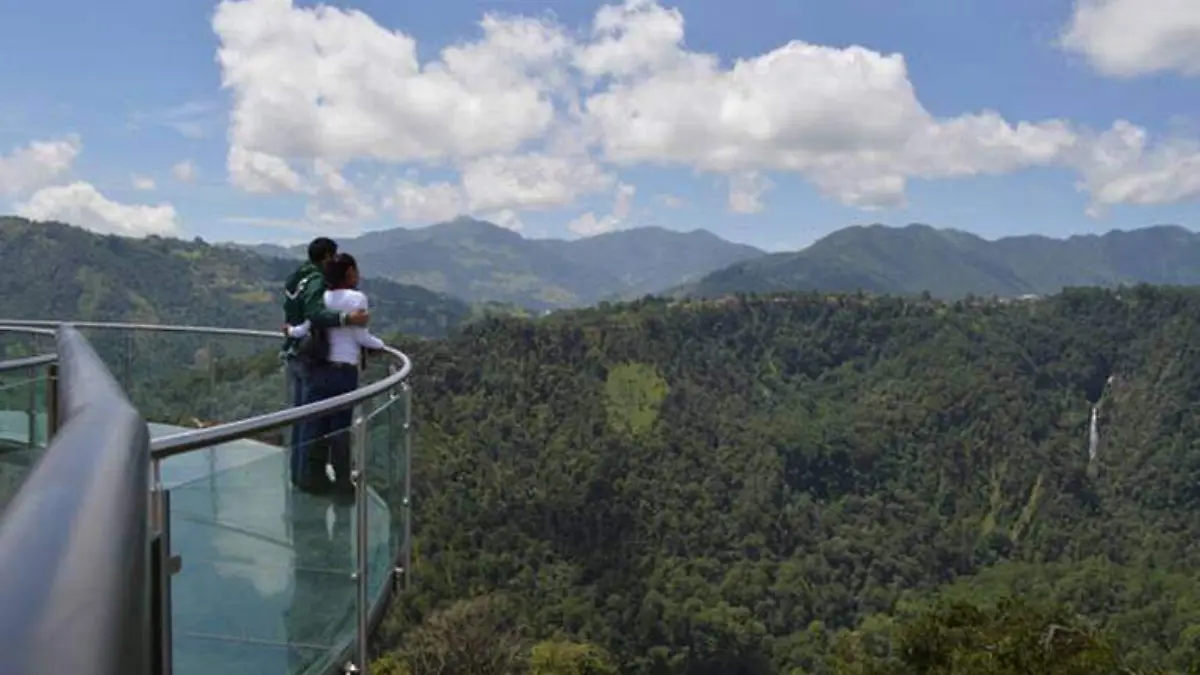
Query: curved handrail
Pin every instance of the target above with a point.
(26, 328)
(74, 543)
(27, 362)
(187, 441)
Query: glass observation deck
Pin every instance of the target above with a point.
(219, 564)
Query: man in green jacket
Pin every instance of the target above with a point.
(304, 299)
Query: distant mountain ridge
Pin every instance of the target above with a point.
(951, 263)
(482, 262)
(58, 271)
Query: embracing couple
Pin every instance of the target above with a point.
(325, 336)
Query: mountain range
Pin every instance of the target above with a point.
(951, 264)
(57, 271)
(427, 281)
(481, 262)
(478, 261)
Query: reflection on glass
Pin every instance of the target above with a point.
(266, 570)
(381, 459)
(266, 582)
(24, 398)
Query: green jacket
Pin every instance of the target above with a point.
(304, 299)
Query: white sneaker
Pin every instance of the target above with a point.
(330, 473)
(330, 521)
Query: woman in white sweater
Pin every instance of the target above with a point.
(338, 372)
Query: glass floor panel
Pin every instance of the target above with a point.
(265, 585)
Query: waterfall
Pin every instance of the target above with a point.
(1094, 430)
(1094, 435)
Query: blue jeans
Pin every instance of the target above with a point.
(297, 382)
(327, 438)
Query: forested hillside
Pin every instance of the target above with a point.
(728, 487)
(953, 264)
(811, 483)
(56, 271)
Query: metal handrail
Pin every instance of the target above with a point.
(27, 361)
(74, 543)
(177, 444)
(158, 449)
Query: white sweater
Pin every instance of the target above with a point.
(344, 341)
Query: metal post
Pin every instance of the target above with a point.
(359, 475)
(157, 512)
(31, 412)
(287, 433)
(395, 493)
(127, 366)
(51, 401)
(406, 500)
(212, 369)
(163, 566)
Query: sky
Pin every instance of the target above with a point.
(770, 122)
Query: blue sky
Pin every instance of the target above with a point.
(138, 85)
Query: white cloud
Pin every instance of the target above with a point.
(144, 183)
(37, 164)
(1128, 38)
(82, 204)
(413, 202)
(1121, 166)
(746, 191)
(260, 173)
(532, 181)
(507, 219)
(184, 171)
(336, 200)
(846, 119)
(329, 83)
(535, 116)
(589, 224)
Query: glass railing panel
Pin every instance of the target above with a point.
(18, 345)
(401, 508)
(196, 380)
(267, 571)
(206, 655)
(382, 448)
(24, 424)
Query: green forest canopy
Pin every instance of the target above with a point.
(808, 484)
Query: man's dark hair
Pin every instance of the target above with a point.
(336, 269)
(321, 249)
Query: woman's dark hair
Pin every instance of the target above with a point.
(337, 268)
(321, 249)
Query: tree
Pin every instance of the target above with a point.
(470, 637)
(1012, 638)
(561, 657)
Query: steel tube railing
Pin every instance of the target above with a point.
(74, 542)
(176, 444)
